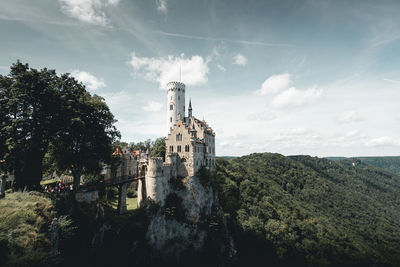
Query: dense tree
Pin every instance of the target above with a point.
(85, 140)
(40, 109)
(158, 148)
(309, 211)
(30, 111)
(143, 146)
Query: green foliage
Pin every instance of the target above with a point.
(391, 164)
(45, 114)
(158, 148)
(310, 211)
(29, 108)
(87, 133)
(143, 146)
(131, 192)
(205, 176)
(176, 183)
(24, 220)
(173, 208)
(92, 178)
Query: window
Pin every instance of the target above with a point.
(179, 149)
(179, 137)
(187, 148)
(179, 97)
(170, 119)
(179, 89)
(171, 107)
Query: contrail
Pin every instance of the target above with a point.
(222, 39)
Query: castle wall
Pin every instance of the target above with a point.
(157, 184)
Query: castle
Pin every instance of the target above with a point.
(190, 145)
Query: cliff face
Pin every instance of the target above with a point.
(190, 218)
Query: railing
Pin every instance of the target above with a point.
(121, 180)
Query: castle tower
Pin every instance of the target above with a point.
(175, 102)
(190, 108)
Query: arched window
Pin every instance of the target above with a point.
(179, 149)
(170, 119)
(171, 107)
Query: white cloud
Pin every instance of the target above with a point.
(383, 141)
(263, 116)
(293, 97)
(91, 81)
(392, 81)
(275, 84)
(240, 60)
(89, 11)
(153, 106)
(355, 134)
(220, 67)
(194, 70)
(162, 6)
(348, 117)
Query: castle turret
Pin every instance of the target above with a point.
(176, 102)
(190, 108)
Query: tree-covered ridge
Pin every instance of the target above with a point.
(389, 163)
(311, 210)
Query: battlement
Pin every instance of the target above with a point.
(175, 85)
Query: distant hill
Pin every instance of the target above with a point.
(227, 157)
(303, 210)
(391, 164)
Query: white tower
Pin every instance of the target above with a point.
(175, 102)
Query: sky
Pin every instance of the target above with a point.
(320, 78)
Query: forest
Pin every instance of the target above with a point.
(303, 210)
(391, 164)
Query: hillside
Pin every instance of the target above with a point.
(311, 211)
(391, 164)
(24, 221)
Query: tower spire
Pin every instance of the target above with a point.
(190, 107)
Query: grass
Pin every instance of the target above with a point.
(131, 203)
(24, 220)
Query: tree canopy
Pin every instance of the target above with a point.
(309, 211)
(43, 112)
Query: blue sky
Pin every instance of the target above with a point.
(293, 77)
